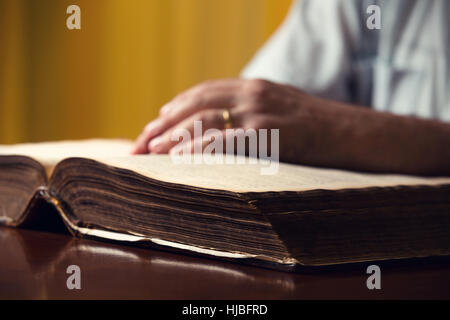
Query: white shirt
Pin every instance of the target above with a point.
(325, 48)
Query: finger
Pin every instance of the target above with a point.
(140, 145)
(219, 94)
(150, 130)
(211, 94)
(217, 142)
(207, 119)
(200, 143)
(208, 95)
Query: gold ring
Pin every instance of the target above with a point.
(227, 123)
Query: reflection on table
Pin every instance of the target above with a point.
(33, 266)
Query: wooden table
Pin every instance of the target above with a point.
(33, 266)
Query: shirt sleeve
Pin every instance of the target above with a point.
(312, 49)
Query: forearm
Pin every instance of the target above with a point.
(362, 139)
(313, 131)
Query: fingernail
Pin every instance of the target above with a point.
(153, 126)
(175, 150)
(155, 145)
(138, 150)
(165, 109)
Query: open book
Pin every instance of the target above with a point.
(300, 216)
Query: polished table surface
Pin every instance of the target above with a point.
(33, 265)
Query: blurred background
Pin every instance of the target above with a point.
(129, 58)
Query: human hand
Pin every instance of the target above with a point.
(256, 104)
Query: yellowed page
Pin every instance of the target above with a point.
(232, 177)
(50, 153)
(248, 178)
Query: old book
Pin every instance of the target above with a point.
(301, 216)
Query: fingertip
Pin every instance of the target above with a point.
(174, 151)
(155, 145)
(153, 128)
(134, 149)
(138, 149)
(164, 110)
(140, 145)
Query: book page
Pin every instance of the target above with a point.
(231, 177)
(247, 177)
(50, 153)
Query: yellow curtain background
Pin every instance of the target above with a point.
(130, 57)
